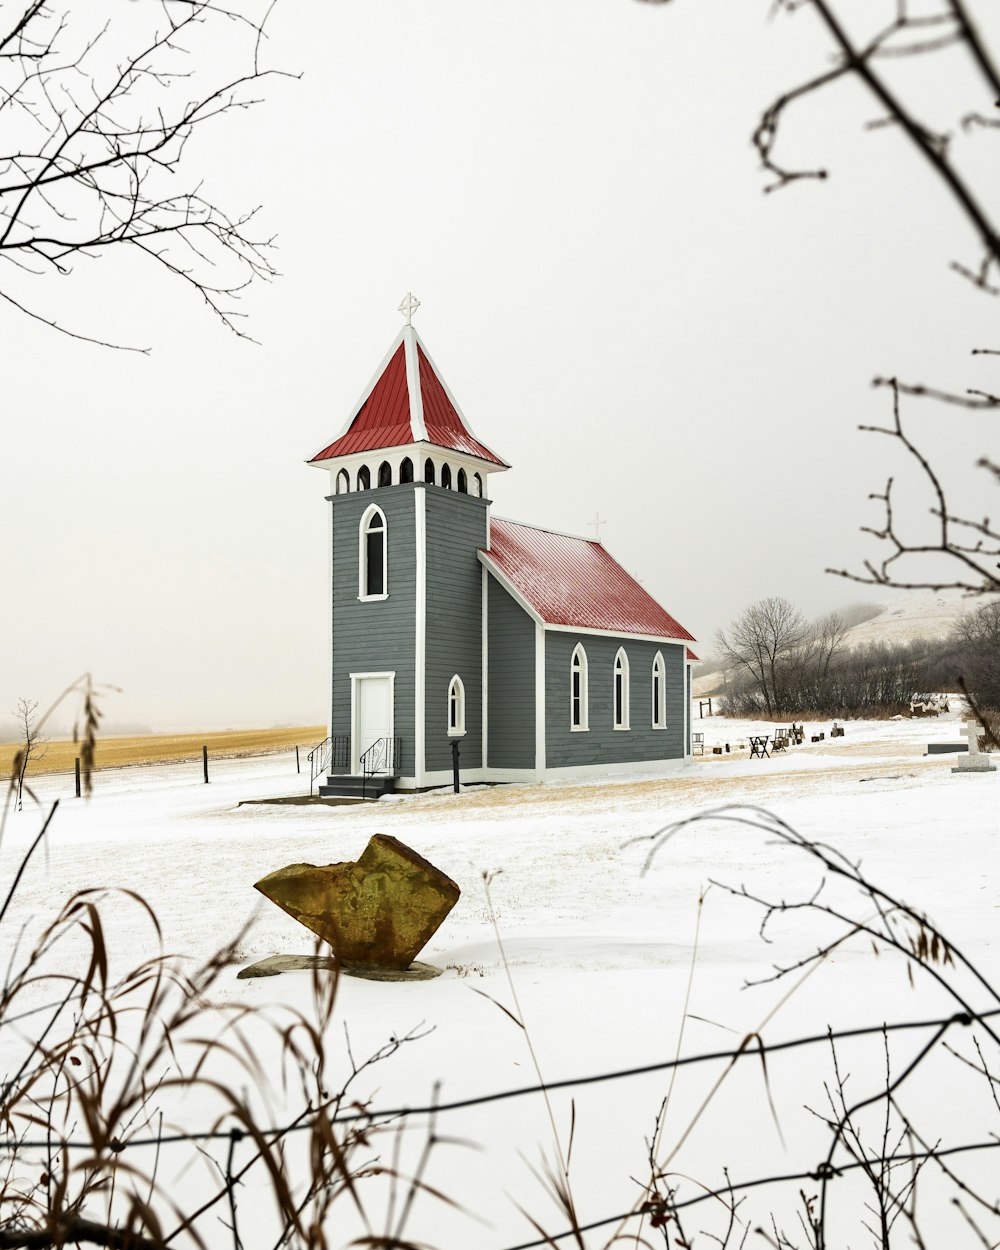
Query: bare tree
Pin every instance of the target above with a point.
(830, 636)
(762, 642)
(978, 637)
(897, 50)
(97, 109)
(31, 745)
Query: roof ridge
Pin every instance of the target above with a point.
(545, 529)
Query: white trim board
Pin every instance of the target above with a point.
(420, 638)
(484, 701)
(418, 430)
(539, 697)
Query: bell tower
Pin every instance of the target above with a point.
(409, 512)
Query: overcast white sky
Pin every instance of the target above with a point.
(569, 188)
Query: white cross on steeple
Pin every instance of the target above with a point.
(408, 306)
(597, 522)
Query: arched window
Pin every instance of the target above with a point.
(463, 482)
(372, 555)
(446, 476)
(364, 478)
(477, 488)
(621, 689)
(578, 689)
(343, 482)
(456, 707)
(406, 470)
(659, 692)
(384, 474)
(429, 470)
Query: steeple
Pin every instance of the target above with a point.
(406, 404)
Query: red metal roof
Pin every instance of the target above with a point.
(691, 655)
(444, 426)
(572, 581)
(390, 417)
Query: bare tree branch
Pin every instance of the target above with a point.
(96, 124)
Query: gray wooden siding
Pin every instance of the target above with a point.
(602, 743)
(377, 636)
(511, 684)
(456, 530)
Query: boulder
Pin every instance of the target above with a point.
(376, 912)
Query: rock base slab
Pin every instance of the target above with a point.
(275, 965)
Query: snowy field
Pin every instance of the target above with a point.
(601, 956)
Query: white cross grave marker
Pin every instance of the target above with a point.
(408, 305)
(976, 761)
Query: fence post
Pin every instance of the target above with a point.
(297, 767)
(77, 770)
(204, 762)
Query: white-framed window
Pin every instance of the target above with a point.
(456, 707)
(343, 482)
(364, 478)
(659, 692)
(406, 470)
(446, 476)
(477, 485)
(429, 471)
(385, 473)
(621, 690)
(373, 562)
(462, 482)
(578, 709)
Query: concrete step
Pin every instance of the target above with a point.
(346, 786)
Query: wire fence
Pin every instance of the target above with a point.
(823, 1172)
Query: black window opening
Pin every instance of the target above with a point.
(429, 471)
(659, 692)
(456, 706)
(364, 478)
(384, 474)
(375, 556)
(479, 485)
(463, 482)
(621, 691)
(406, 470)
(343, 482)
(578, 689)
(446, 476)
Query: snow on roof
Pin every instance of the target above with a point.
(407, 402)
(573, 581)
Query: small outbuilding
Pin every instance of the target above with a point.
(535, 649)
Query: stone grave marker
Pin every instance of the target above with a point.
(376, 913)
(976, 761)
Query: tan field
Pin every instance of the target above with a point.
(59, 757)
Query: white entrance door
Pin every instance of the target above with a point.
(372, 715)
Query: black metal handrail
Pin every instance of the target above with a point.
(332, 752)
(383, 756)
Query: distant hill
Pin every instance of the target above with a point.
(913, 614)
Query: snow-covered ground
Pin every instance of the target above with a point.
(601, 955)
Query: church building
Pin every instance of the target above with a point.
(534, 650)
